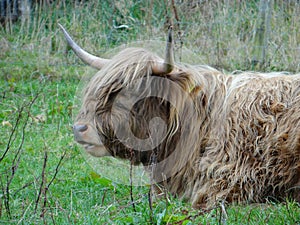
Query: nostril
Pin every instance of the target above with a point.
(80, 127)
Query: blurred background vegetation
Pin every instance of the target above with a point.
(43, 176)
(222, 33)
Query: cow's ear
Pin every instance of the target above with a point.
(183, 79)
(194, 91)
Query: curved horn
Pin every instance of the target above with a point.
(86, 57)
(168, 65)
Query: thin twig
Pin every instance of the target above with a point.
(20, 113)
(57, 168)
(42, 182)
(175, 12)
(150, 204)
(17, 157)
(9, 143)
(153, 163)
(22, 188)
(180, 33)
(131, 182)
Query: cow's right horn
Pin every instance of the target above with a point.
(168, 64)
(86, 57)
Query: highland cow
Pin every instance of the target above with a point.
(204, 135)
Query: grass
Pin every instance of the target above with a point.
(44, 176)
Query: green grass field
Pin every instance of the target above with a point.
(44, 178)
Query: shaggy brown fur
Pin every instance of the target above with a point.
(243, 138)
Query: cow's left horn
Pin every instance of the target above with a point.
(168, 64)
(86, 57)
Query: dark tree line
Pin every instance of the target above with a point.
(12, 10)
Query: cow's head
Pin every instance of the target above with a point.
(133, 107)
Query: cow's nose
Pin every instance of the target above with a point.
(80, 127)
